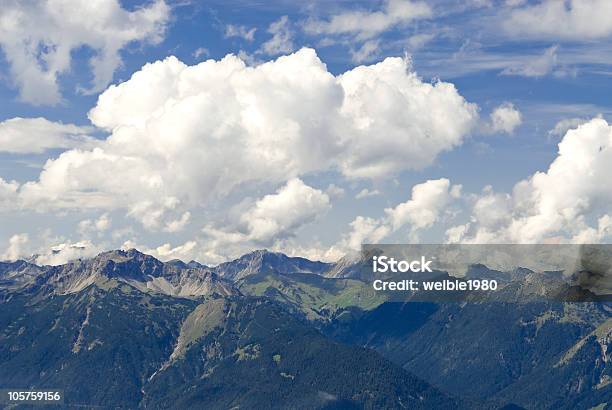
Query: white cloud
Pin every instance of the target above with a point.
(36, 135)
(46, 249)
(184, 135)
(368, 51)
(597, 234)
(221, 245)
(50, 252)
(412, 121)
(271, 221)
(201, 52)
(428, 203)
(278, 216)
(492, 209)
(17, 247)
(418, 41)
(364, 230)
(316, 252)
(561, 19)
(282, 213)
(538, 66)
(38, 38)
(8, 194)
(334, 191)
(178, 224)
(558, 203)
(188, 251)
(65, 252)
(233, 30)
(505, 118)
(103, 222)
(99, 225)
(456, 233)
(367, 24)
(365, 193)
(166, 252)
(564, 125)
(154, 215)
(282, 38)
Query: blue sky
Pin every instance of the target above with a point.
(456, 139)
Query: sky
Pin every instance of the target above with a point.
(207, 129)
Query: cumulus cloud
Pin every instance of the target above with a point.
(365, 24)
(158, 214)
(186, 252)
(557, 19)
(271, 221)
(282, 213)
(364, 230)
(492, 209)
(455, 234)
(505, 118)
(564, 125)
(183, 135)
(393, 104)
(243, 32)
(282, 38)
(428, 203)
(17, 247)
(166, 252)
(559, 204)
(46, 250)
(538, 66)
(314, 251)
(55, 251)
(99, 225)
(8, 194)
(36, 135)
(178, 224)
(67, 251)
(596, 234)
(277, 216)
(38, 38)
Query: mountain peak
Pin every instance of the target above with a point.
(265, 261)
(260, 253)
(121, 255)
(131, 266)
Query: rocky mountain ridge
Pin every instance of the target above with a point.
(145, 272)
(142, 271)
(181, 330)
(177, 278)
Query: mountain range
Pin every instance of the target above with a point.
(272, 331)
